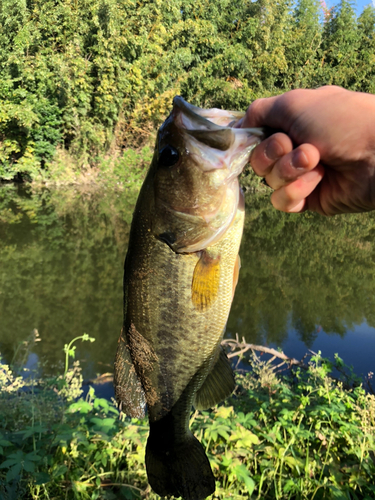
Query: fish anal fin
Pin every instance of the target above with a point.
(218, 385)
(129, 392)
(206, 280)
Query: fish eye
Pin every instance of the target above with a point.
(168, 156)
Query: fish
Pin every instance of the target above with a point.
(180, 274)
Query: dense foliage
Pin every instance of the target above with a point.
(92, 77)
(286, 438)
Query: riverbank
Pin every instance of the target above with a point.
(126, 170)
(299, 435)
(120, 171)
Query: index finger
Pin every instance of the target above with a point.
(278, 112)
(260, 113)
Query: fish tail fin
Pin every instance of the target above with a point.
(179, 469)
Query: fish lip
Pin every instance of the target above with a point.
(194, 113)
(198, 116)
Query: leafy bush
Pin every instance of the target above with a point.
(95, 77)
(299, 437)
(296, 437)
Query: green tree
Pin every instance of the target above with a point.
(366, 50)
(93, 77)
(339, 50)
(305, 38)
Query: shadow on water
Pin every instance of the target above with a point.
(306, 282)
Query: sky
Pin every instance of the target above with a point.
(360, 4)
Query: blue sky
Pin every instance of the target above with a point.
(360, 4)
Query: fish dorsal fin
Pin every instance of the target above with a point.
(218, 385)
(206, 279)
(129, 392)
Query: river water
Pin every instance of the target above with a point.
(306, 282)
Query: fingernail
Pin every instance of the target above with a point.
(273, 150)
(299, 160)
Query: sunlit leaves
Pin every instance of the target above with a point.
(99, 75)
(263, 442)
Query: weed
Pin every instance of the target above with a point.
(301, 436)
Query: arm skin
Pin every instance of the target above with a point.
(324, 157)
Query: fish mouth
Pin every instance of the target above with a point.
(206, 119)
(213, 119)
(211, 138)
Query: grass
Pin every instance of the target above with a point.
(297, 436)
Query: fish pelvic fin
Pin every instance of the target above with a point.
(178, 469)
(129, 392)
(205, 283)
(218, 385)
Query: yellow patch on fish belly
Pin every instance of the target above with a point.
(205, 283)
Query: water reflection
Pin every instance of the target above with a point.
(305, 282)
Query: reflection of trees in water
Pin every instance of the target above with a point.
(61, 269)
(62, 253)
(304, 272)
(306, 329)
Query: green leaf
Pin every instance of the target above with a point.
(59, 471)
(8, 463)
(101, 403)
(243, 475)
(13, 472)
(80, 406)
(102, 422)
(33, 456)
(4, 442)
(31, 430)
(29, 466)
(42, 478)
(338, 494)
(18, 455)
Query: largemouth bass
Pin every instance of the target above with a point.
(181, 271)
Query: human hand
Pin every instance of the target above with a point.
(324, 157)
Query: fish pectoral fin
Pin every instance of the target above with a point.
(129, 392)
(206, 279)
(236, 272)
(218, 385)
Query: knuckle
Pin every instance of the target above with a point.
(255, 107)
